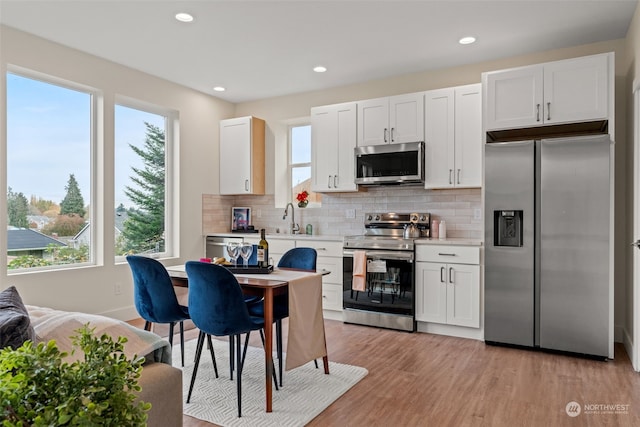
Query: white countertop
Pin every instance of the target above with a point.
(281, 236)
(336, 238)
(451, 242)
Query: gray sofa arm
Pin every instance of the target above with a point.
(162, 387)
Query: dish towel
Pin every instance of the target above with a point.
(359, 271)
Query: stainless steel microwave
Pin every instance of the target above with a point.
(390, 164)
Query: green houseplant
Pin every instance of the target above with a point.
(38, 388)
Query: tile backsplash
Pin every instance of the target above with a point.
(456, 207)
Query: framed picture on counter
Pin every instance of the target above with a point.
(240, 219)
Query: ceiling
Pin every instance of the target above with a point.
(261, 49)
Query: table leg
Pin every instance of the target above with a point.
(325, 361)
(268, 345)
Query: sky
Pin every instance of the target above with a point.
(48, 138)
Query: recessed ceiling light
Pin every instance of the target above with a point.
(467, 40)
(319, 69)
(184, 17)
(219, 89)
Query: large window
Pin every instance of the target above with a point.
(49, 173)
(300, 164)
(141, 196)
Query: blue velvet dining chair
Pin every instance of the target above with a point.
(155, 298)
(218, 308)
(300, 259)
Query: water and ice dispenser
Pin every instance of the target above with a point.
(507, 228)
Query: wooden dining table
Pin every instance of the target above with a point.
(268, 286)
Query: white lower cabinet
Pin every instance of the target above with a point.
(329, 259)
(448, 292)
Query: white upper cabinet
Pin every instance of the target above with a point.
(242, 156)
(333, 139)
(576, 90)
(453, 137)
(573, 90)
(391, 120)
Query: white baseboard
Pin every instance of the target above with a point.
(452, 331)
(627, 341)
(123, 313)
(332, 315)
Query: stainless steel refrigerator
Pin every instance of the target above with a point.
(547, 237)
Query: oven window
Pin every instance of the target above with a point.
(388, 288)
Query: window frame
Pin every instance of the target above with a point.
(171, 133)
(96, 117)
(291, 165)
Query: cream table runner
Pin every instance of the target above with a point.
(306, 340)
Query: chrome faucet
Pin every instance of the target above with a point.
(293, 228)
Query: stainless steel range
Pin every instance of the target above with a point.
(382, 293)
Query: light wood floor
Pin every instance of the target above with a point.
(418, 379)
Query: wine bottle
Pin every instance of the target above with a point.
(263, 250)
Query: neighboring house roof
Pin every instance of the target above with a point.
(27, 239)
(120, 218)
(39, 218)
(82, 231)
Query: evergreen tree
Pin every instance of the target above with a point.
(144, 228)
(73, 203)
(17, 209)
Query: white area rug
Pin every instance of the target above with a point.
(307, 391)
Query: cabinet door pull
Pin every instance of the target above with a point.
(450, 180)
(548, 111)
(450, 274)
(537, 112)
(335, 181)
(246, 185)
(385, 135)
(442, 274)
(329, 182)
(445, 254)
(321, 249)
(392, 139)
(458, 180)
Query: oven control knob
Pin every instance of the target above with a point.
(423, 218)
(369, 217)
(377, 217)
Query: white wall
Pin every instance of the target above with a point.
(91, 289)
(632, 71)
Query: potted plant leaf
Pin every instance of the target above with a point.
(39, 388)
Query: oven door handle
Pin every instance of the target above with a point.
(391, 255)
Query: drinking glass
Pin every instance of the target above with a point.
(245, 251)
(233, 249)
